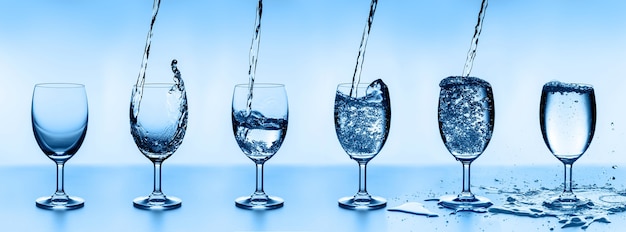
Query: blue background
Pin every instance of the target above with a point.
(311, 46)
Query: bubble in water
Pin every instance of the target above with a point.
(466, 115)
(362, 124)
(258, 136)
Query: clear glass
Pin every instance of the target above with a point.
(158, 130)
(59, 118)
(567, 114)
(466, 119)
(260, 127)
(362, 125)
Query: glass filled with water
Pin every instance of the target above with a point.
(466, 119)
(158, 121)
(362, 120)
(59, 119)
(259, 118)
(567, 115)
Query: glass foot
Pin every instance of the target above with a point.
(160, 203)
(65, 203)
(477, 204)
(359, 204)
(269, 202)
(558, 203)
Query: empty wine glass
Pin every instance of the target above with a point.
(466, 118)
(362, 120)
(59, 118)
(259, 118)
(158, 121)
(567, 114)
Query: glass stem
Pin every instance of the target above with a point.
(466, 194)
(362, 197)
(363, 179)
(259, 179)
(60, 185)
(567, 181)
(157, 179)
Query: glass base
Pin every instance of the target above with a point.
(372, 203)
(161, 203)
(558, 203)
(454, 202)
(60, 204)
(270, 202)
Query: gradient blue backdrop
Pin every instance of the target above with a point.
(311, 46)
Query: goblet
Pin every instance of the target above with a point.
(259, 117)
(567, 114)
(158, 121)
(362, 120)
(59, 118)
(466, 118)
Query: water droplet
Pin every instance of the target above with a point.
(414, 208)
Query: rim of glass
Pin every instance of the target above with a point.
(59, 85)
(261, 85)
(349, 85)
(157, 85)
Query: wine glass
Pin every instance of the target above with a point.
(158, 121)
(362, 120)
(466, 118)
(59, 118)
(567, 114)
(259, 117)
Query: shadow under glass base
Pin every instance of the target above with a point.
(352, 203)
(269, 202)
(558, 203)
(454, 202)
(67, 203)
(161, 203)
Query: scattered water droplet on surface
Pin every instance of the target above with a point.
(604, 201)
(413, 208)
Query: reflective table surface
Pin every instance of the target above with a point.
(310, 194)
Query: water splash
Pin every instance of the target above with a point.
(137, 93)
(141, 79)
(254, 52)
(606, 201)
(471, 54)
(356, 77)
(178, 80)
(413, 208)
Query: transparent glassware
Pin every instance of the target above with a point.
(567, 114)
(158, 121)
(259, 126)
(362, 124)
(59, 119)
(466, 119)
